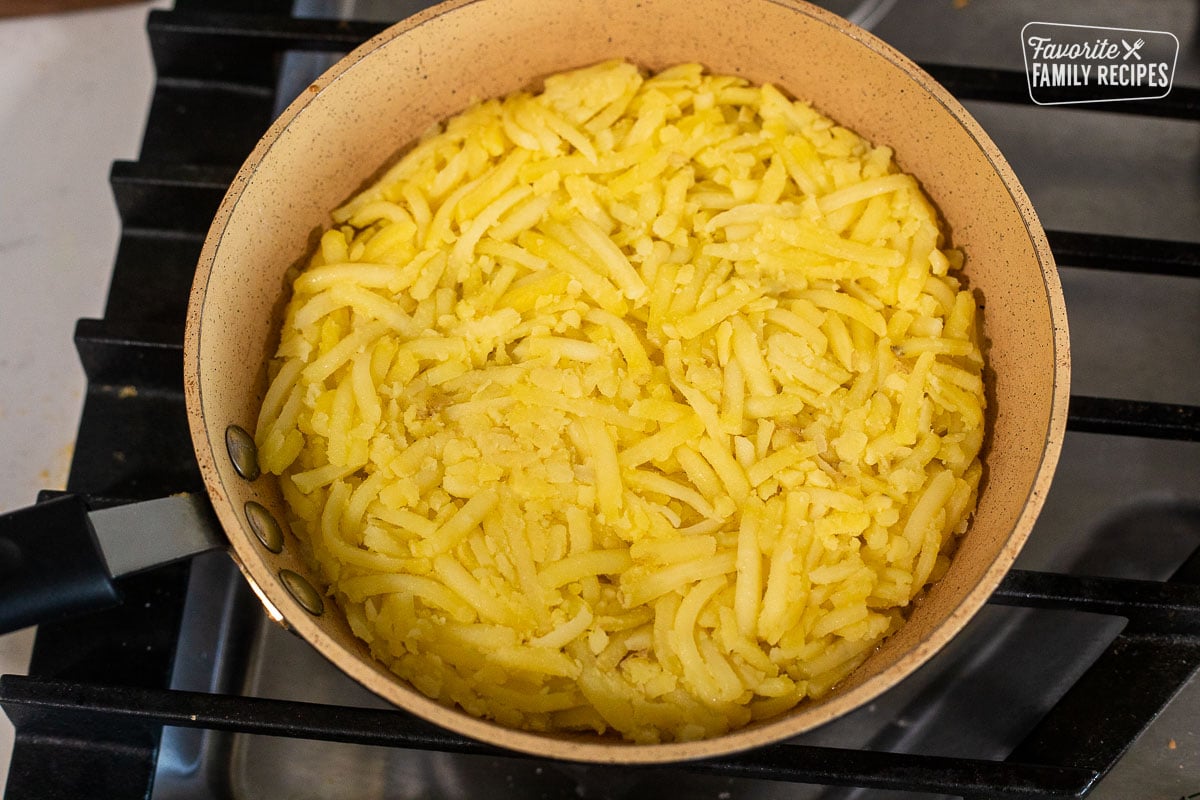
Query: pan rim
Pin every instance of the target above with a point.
(208, 443)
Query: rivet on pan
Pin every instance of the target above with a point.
(242, 452)
(302, 592)
(264, 526)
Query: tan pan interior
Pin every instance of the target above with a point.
(357, 118)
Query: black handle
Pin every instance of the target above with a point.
(51, 565)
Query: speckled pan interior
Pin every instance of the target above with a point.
(360, 115)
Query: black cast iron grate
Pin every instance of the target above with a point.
(90, 714)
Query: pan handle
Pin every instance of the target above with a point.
(59, 557)
(51, 564)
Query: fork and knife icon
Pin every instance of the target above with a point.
(1132, 49)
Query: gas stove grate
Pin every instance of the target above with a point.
(91, 712)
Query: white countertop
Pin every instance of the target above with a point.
(74, 92)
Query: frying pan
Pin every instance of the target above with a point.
(360, 115)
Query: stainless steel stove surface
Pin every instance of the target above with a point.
(1121, 507)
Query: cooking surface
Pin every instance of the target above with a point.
(1119, 506)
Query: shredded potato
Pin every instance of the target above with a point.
(641, 404)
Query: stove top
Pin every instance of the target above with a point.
(188, 691)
